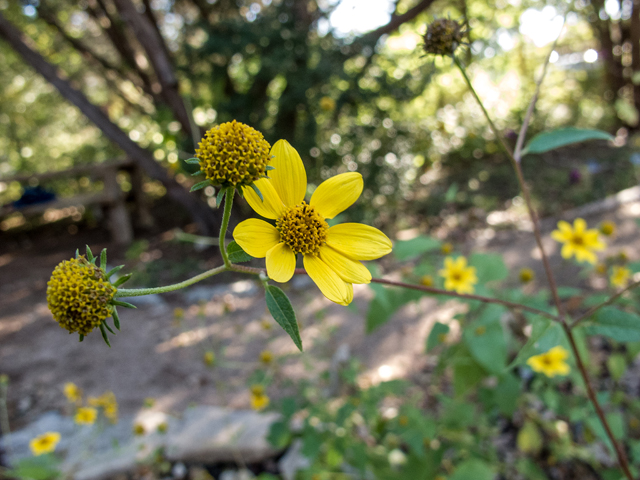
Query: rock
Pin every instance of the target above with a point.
(215, 434)
(179, 470)
(242, 288)
(293, 461)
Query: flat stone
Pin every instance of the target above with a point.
(215, 434)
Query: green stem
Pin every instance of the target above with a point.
(138, 292)
(228, 203)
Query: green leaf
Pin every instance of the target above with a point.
(545, 141)
(108, 327)
(200, 185)
(617, 364)
(237, 254)
(506, 394)
(258, 192)
(197, 173)
(486, 341)
(473, 469)
(408, 249)
(116, 318)
(220, 197)
(103, 259)
(104, 335)
(530, 440)
(279, 435)
(90, 256)
(122, 279)
(436, 336)
(545, 334)
(270, 167)
(44, 467)
(280, 308)
(120, 303)
(490, 267)
(114, 270)
(385, 304)
(615, 324)
(192, 161)
(467, 373)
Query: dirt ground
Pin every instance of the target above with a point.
(160, 355)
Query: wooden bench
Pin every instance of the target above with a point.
(112, 198)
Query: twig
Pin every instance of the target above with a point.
(609, 301)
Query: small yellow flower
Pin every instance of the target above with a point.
(45, 443)
(551, 363)
(426, 281)
(458, 276)
(209, 357)
(446, 248)
(578, 240)
(233, 154)
(72, 392)
(332, 255)
(259, 402)
(138, 429)
(266, 357)
(79, 295)
(86, 416)
(106, 401)
(526, 275)
(327, 104)
(620, 276)
(608, 228)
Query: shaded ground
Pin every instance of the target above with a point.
(160, 355)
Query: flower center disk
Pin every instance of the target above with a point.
(303, 229)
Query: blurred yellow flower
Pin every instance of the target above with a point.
(265, 324)
(620, 276)
(332, 255)
(578, 240)
(608, 228)
(209, 357)
(426, 281)
(259, 402)
(45, 443)
(458, 276)
(526, 275)
(266, 357)
(551, 363)
(138, 429)
(446, 248)
(72, 392)
(86, 416)
(106, 401)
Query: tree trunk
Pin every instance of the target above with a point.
(202, 215)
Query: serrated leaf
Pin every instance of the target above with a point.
(280, 308)
(408, 249)
(192, 161)
(237, 254)
(545, 141)
(200, 185)
(615, 324)
(258, 192)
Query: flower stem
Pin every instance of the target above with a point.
(609, 301)
(138, 292)
(228, 203)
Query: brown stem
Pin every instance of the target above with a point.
(622, 458)
(609, 301)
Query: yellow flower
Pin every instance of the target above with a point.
(78, 295)
(138, 429)
(259, 400)
(526, 275)
(72, 392)
(266, 357)
(578, 240)
(426, 281)
(86, 416)
(331, 255)
(457, 276)
(551, 363)
(446, 248)
(209, 358)
(233, 154)
(106, 401)
(620, 276)
(608, 228)
(45, 443)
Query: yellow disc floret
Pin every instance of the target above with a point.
(233, 154)
(303, 229)
(78, 295)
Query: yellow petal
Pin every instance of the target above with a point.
(358, 241)
(349, 292)
(337, 194)
(561, 237)
(271, 207)
(565, 227)
(289, 177)
(281, 263)
(579, 225)
(567, 250)
(328, 281)
(351, 271)
(256, 237)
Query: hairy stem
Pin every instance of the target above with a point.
(138, 292)
(228, 203)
